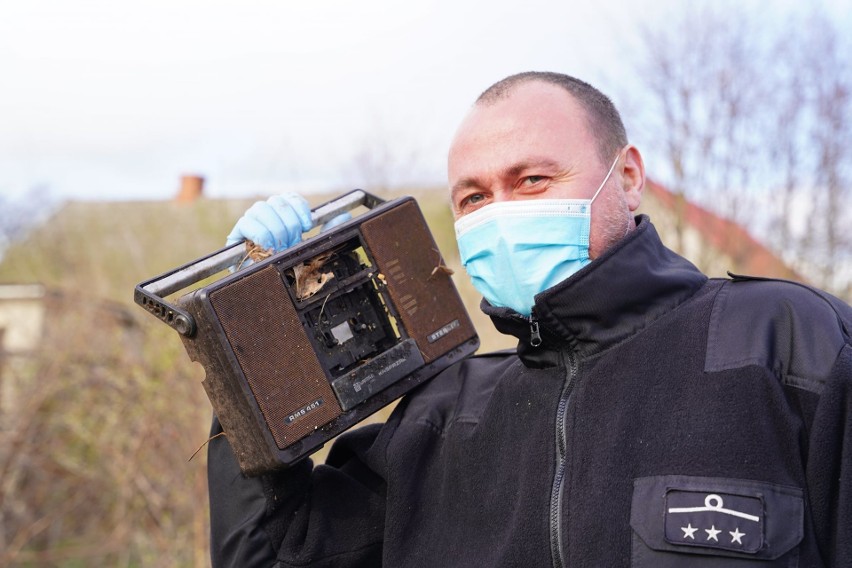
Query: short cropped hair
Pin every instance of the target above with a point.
(603, 117)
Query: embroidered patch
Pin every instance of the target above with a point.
(714, 517)
(715, 520)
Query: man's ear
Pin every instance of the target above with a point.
(633, 177)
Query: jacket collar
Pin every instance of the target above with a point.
(632, 284)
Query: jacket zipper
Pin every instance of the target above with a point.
(535, 333)
(561, 459)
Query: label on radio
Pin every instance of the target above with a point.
(293, 416)
(391, 366)
(436, 335)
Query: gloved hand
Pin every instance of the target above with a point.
(277, 223)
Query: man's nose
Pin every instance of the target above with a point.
(501, 193)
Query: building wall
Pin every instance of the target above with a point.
(22, 313)
(22, 317)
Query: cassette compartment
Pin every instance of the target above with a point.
(342, 302)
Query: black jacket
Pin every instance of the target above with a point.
(665, 420)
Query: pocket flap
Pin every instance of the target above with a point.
(716, 515)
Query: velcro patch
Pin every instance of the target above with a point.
(715, 516)
(715, 520)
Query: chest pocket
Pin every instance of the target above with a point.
(703, 522)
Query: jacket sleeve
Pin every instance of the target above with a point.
(830, 464)
(331, 515)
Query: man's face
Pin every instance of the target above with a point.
(535, 144)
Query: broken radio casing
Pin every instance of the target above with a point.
(306, 343)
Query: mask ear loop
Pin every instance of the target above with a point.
(603, 183)
(606, 179)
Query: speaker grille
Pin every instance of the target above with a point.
(428, 304)
(275, 355)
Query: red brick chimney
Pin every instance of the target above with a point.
(191, 188)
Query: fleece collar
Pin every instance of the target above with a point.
(610, 299)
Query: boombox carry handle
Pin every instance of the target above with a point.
(151, 294)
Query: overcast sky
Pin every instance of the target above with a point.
(103, 99)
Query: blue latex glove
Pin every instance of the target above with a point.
(277, 223)
(339, 220)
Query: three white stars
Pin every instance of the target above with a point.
(712, 533)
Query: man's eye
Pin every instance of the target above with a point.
(470, 202)
(532, 180)
(471, 199)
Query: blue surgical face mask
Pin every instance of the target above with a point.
(513, 250)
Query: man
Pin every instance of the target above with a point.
(650, 417)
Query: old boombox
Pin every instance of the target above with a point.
(306, 343)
